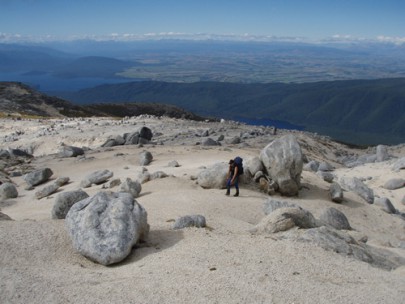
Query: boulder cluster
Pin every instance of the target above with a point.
(105, 227)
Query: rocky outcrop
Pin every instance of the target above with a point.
(106, 226)
(282, 160)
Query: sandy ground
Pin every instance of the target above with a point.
(223, 263)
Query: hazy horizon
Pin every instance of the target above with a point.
(312, 20)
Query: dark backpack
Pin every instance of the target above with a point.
(238, 161)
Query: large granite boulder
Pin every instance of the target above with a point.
(213, 177)
(399, 165)
(37, 177)
(106, 226)
(65, 200)
(382, 153)
(253, 165)
(282, 160)
(357, 186)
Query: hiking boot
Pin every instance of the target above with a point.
(237, 193)
(227, 192)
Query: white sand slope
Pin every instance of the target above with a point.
(223, 263)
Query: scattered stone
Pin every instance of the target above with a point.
(385, 205)
(382, 153)
(64, 201)
(313, 166)
(97, 177)
(210, 142)
(234, 141)
(341, 242)
(158, 174)
(326, 176)
(145, 158)
(111, 184)
(190, 221)
(336, 193)
(283, 219)
(173, 163)
(48, 190)
(106, 226)
(282, 160)
(5, 217)
(324, 166)
(357, 186)
(335, 218)
(394, 183)
(70, 151)
(132, 187)
(8, 190)
(214, 177)
(399, 164)
(37, 177)
(271, 204)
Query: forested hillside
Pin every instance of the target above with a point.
(355, 111)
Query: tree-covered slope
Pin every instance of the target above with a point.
(360, 108)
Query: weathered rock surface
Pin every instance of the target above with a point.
(253, 165)
(325, 167)
(358, 187)
(106, 226)
(38, 177)
(282, 160)
(335, 218)
(190, 221)
(97, 177)
(326, 176)
(313, 166)
(213, 177)
(64, 201)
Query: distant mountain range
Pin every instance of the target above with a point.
(17, 100)
(353, 111)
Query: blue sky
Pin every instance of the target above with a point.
(313, 19)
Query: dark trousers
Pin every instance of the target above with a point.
(236, 183)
